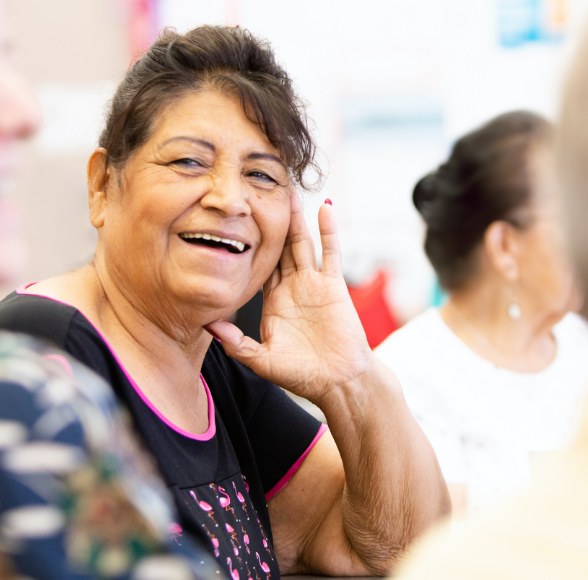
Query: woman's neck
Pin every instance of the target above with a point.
(167, 370)
(525, 345)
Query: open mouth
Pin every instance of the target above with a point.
(233, 246)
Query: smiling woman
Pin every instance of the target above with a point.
(206, 171)
(193, 193)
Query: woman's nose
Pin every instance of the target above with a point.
(20, 114)
(229, 194)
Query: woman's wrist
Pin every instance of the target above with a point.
(361, 396)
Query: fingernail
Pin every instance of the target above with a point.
(328, 201)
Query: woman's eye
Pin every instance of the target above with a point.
(262, 176)
(187, 162)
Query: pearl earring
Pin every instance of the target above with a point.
(514, 310)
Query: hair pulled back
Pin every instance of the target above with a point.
(487, 178)
(229, 59)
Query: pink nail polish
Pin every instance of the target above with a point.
(328, 201)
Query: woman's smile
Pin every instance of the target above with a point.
(215, 241)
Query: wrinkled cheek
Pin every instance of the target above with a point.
(274, 229)
(283, 228)
(274, 252)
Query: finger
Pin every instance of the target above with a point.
(299, 249)
(232, 338)
(332, 260)
(240, 347)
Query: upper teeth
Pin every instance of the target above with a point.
(239, 245)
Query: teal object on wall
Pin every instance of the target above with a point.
(522, 22)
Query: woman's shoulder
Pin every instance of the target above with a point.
(417, 333)
(48, 319)
(34, 314)
(572, 328)
(571, 362)
(427, 355)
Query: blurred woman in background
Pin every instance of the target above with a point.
(494, 375)
(541, 532)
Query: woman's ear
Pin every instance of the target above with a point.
(98, 181)
(501, 246)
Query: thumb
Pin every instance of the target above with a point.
(238, 346)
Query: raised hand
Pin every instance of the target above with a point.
(312, 338)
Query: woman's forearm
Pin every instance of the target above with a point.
(394, 487)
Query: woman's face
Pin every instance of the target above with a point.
(546, 277)
(199, 215)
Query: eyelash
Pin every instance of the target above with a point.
(263, 176)
(187, 161)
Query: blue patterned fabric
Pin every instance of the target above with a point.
(78, 497)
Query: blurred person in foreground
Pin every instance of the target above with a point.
(495, 374)
(78, 497)
(540, 533)
(193, 192)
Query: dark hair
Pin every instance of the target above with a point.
(486, 179)
(230, 59)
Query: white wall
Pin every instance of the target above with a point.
(72, 52)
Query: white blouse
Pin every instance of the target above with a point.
(487, 424)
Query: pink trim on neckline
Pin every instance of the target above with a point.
(290, 473)
(206, 436)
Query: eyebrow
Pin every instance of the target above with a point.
(268, 157)
(193, 140)
(210, 146)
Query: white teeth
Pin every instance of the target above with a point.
(236, 244)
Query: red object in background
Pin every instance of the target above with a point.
(373, 308)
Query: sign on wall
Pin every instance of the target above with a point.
(521, 22)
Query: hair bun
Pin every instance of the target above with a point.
(425, 194)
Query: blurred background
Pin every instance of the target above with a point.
(389, 84)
